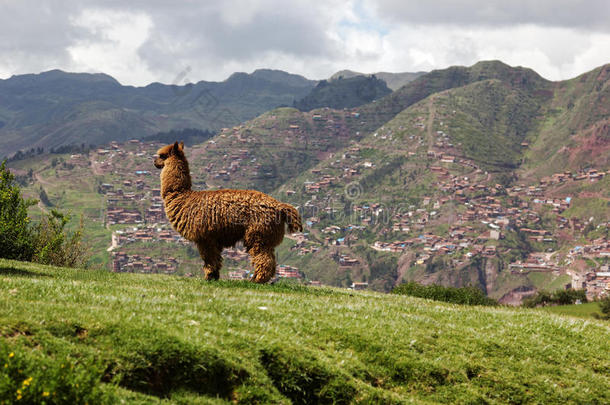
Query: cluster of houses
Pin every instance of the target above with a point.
(588, 174)
(292, 134)
(125, 263)
(148, 233)
(596, 284)
(115, 215)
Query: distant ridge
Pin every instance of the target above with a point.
(393, 80)
(56, 108)
(344, 93)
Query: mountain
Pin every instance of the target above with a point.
(488, 144)
(343, 93)
(574, 131)
(453, 77)
(57, 108)
(393, 80)
(465, 176)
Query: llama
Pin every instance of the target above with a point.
(218, 219)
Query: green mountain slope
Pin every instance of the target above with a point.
(575, 131)
(343, 93)
(428, 178)
(453, 77)
(56, 108)
(98, 337)
(266, 152)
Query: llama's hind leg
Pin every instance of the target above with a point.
(212, 259)
(263, 260)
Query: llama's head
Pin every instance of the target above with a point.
(172, 151)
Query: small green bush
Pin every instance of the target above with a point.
(604, 306)
(560, 297)
(463, 295)
(55, 246)
(16, 241)
(47, 242)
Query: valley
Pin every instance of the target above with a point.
(488, 176)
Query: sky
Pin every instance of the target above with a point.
(143, 41)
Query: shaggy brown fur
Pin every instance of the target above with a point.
(218, 219)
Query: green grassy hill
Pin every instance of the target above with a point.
(98, 337)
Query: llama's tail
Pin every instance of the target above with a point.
(292, 218)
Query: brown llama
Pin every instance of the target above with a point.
(218, 219)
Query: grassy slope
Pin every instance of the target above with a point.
(157, 336)
(587, 310)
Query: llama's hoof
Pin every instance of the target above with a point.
(211, 275)
(258, 280)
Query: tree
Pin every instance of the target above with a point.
(604, 306)
(15, 231)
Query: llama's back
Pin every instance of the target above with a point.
(247, 207)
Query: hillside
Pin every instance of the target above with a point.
(450, 78)
(393, 80)
(93, 336)
(343, 93)
(57, 108)
(443, 188)
(574, 133)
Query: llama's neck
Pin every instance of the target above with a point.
(175, 178)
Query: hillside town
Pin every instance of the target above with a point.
(461, 215)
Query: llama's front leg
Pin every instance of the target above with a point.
(212, 259)
(263, 259)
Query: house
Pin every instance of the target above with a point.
(285, 271)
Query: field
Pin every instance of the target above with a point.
(581, 310)
(69, 336)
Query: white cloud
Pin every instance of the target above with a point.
(555, 53)
(152, 40)
(113, 45)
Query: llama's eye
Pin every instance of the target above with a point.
(163, 156)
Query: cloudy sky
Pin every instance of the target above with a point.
(142, 41)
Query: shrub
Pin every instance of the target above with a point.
(15, 232)
(604, 306)
(560, 297)
(55, 246)
(463, 295)
(47, 242)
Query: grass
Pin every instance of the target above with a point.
(100, 337)
(578, 310)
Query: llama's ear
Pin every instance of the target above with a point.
(176, 148)
(181, 145)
